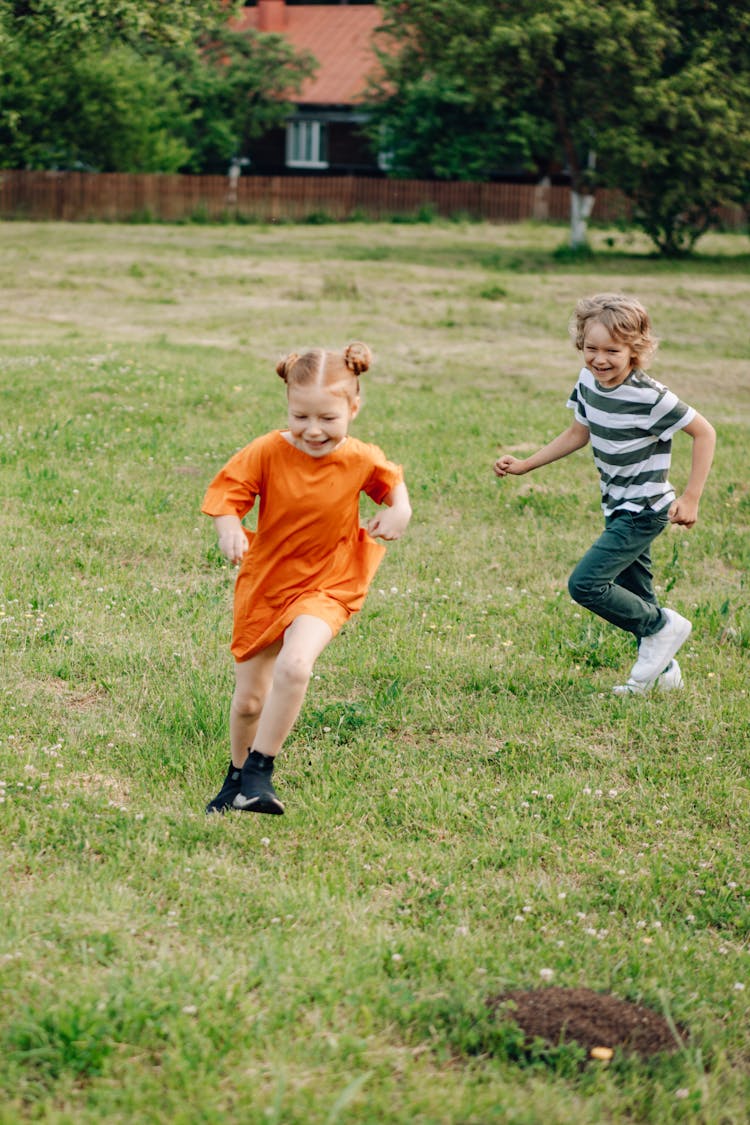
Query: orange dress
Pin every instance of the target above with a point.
(309, 554)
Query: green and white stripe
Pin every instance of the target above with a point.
(631, 428)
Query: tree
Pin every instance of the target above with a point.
(572, 81)
(234, 89)
(110, 111)
(69, 23)
(685, 148)
(136, 85)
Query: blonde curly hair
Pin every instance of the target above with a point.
(624, 318)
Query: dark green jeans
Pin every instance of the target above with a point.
(614, 579)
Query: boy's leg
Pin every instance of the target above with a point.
(614, 577)
(303, 642)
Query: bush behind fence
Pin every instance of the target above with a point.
(124, 197)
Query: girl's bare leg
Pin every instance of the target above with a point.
(252, 682)
(290, 674)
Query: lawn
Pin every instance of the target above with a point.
(470, 810)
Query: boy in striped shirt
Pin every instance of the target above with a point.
(629, 419)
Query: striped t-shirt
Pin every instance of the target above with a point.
(631, 428)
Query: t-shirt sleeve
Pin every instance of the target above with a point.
(383, 476)
(669, 415)
(233, 490)
(577, 404)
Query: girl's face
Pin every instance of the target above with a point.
(608, 359)
(319, 419)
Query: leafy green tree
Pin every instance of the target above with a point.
(234, 89)
(68, 23)
(616, 91)
(136, 85)
(684, 149)
(109, 111)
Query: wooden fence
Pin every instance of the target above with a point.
(121, 197)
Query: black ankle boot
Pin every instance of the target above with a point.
(230, 789)
(257, 793)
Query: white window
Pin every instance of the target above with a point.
(306, 144)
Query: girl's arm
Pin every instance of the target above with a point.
(684, 510)
(232, 538)
(393, 521)
(575, 437)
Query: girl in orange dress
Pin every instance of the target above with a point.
(308, 566)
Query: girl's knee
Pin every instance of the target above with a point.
(293, 670)
(248, 704)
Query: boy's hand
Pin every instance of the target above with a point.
(684, 511)
(507, 464)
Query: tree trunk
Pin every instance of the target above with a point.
(581, 206)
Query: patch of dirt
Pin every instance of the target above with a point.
(591, 1019)
(75, 699)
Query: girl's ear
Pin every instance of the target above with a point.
(355, 407)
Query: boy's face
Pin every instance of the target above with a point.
(609, 360)
(319, 419)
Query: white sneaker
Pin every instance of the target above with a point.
(670, 680)
(655, 652)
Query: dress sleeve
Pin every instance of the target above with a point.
(383, 477)
(233, 490)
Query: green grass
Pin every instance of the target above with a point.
(467, 804)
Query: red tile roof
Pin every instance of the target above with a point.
(338, 35)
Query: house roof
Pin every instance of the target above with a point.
(338, 35)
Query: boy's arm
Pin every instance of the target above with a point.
(684, 510)
(232, 538)
(392, 522)
(575, 437)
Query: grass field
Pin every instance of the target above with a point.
(469, 808)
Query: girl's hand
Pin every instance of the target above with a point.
(388, 524)
(232, 538)
(391, 522)
(507, 464)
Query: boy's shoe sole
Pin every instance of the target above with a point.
(670, 680)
